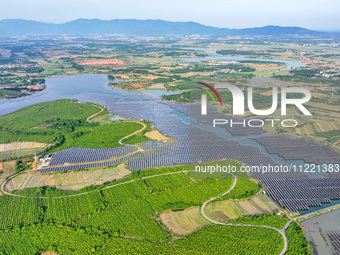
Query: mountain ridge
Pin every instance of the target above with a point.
(149, 27)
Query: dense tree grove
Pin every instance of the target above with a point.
(123, 219)
(63, 124)
(297, 243)
(268, 219)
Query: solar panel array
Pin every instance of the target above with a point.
(194, 111)
(299, 191)
(195, 143)
(335, 239)
(88, 165)
(298, 148)
(160, 154)
(140, 97)
(289, 189)
(101, 99)
(79, 155)
(184, 108)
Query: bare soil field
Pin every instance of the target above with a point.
(8, 169)
(48, 253)
(99, 62)
(156, 135)
(138, 85)
(157, 86)
(149, 76)
(186, 221)
(19, 153)
(21, 145)
(72, 180)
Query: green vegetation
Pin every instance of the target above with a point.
(182, 85)
(297, 242)
(129, 210)
(103, 136)
(304, 72)
(35, 123)
(234, 240)
(167, 182)
(67, 240)
(243, 53)
(329, 134)
(39, 238)
(135, 139)
(63, 124)
(38, 114)
(259, 62)
(268, 219)
(22, 165)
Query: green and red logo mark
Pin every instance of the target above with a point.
(209, 93)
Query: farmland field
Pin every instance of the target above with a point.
(129, 210)
(72, 180)
(62, 124)
(147, 200)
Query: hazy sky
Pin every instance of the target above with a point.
(313, 14)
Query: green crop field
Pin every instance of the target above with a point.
(125, 218)
(158, 210)
(34, 115)
(63, 124)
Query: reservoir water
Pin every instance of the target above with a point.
(96, 84)
(316, 230)
(289, 64)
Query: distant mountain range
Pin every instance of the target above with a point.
(82, 27)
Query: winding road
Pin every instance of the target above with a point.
(281, 231)
(101, 109)
(3, 185)
(134, 133)
(120, 142)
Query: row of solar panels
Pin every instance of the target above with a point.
(298, 148)
(80, 155)
(335, 239)
(195, 144)
(87, 165)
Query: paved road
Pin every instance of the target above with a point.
(311, 214)
(3, 185)
(120, 142)
(79, 194)
(101, 109)
(136, 132)
(149, 94)
(281, 231)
